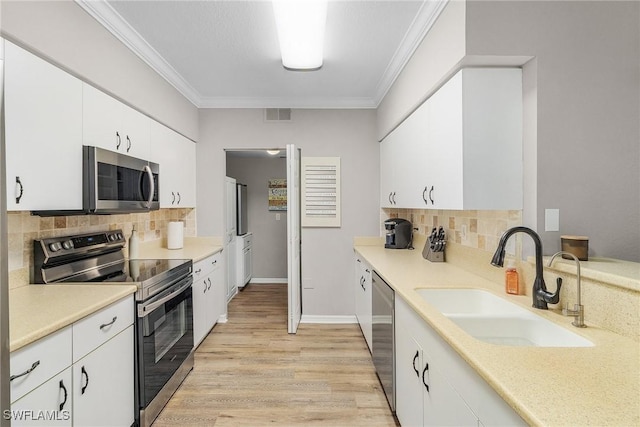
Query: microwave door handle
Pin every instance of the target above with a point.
(147, 169)
(143, 310)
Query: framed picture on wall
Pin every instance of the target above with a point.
(278, 194)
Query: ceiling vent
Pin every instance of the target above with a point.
(277, 114)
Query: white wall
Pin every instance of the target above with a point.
(269, 242)
(63, 33)
(327, 253)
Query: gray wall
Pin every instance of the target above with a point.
(582, 103)
(63, 33)
(327, 253)
(588, 109)
(269, 243)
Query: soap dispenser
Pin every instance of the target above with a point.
(511, 282)
(133, 244)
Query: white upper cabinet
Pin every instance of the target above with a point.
(176, 156)
(462, 148)
(43, 133)
(108, 123)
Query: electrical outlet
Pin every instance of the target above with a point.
(277, 217)
(463, 232)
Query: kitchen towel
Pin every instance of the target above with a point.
(175, 235)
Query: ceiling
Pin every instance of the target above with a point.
(226, 53)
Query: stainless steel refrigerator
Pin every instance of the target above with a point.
(241, 211)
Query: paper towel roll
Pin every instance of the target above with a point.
(175, 235)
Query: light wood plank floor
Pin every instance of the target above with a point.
(250, 372)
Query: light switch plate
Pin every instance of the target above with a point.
(552, 220)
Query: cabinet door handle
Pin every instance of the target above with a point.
(426, 368)
(390, 202)
(179, 197)
(128, 144)
(64, 390)
(209, 280)
(119, 141)
(19, 196)
(394, 197)
(424, 196)
(27, 372)
(431, 191)
(104, 325)
(205, 286)
(414, 363)
(173, 197)
(83, 372)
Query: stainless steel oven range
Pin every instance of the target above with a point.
(164, 306)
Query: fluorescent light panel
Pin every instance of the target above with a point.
(301, 25)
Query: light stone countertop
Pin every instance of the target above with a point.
(195, 248)
(36, 311)
(597, 385)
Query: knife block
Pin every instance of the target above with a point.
(430, 255)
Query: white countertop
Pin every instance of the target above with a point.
(195, 248)
(597, 385)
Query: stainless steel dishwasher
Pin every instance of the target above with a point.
(383, 310)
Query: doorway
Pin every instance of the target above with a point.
(275, 233)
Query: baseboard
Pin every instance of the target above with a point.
(262, 280)
(306, 318)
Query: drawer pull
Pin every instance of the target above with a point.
(64, 389)
(104, 325)
(27, 372)
(198, 271)
(84, 374)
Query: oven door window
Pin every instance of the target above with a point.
(166, 341)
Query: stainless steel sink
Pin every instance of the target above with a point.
(495, 320)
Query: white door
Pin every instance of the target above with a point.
(293, 238)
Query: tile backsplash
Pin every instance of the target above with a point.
(23, 228)
(475, 229)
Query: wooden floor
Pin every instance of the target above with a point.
(250, 372)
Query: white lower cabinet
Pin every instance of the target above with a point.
(363, 299)
(244, 251)
(49, 404)
(80, 375)
(209, 295)
(435, 386)
(103, 384)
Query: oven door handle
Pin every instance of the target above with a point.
(147, 169)
(143, 310)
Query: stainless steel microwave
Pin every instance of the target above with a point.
(117, 183)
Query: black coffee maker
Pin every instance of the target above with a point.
(398, 233)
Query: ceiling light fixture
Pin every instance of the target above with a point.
(301, 26)
(273, 152)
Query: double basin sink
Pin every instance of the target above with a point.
(495, 320)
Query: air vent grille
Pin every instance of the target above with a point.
(277, 114)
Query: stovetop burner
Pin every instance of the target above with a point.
(98, 258)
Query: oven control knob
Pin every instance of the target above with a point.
(67, 244)
(113, 237)
(120, 236)
(55, 246)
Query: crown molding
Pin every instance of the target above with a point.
(288, 102)
(422, 23)
(102, 12)
(107, 16)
